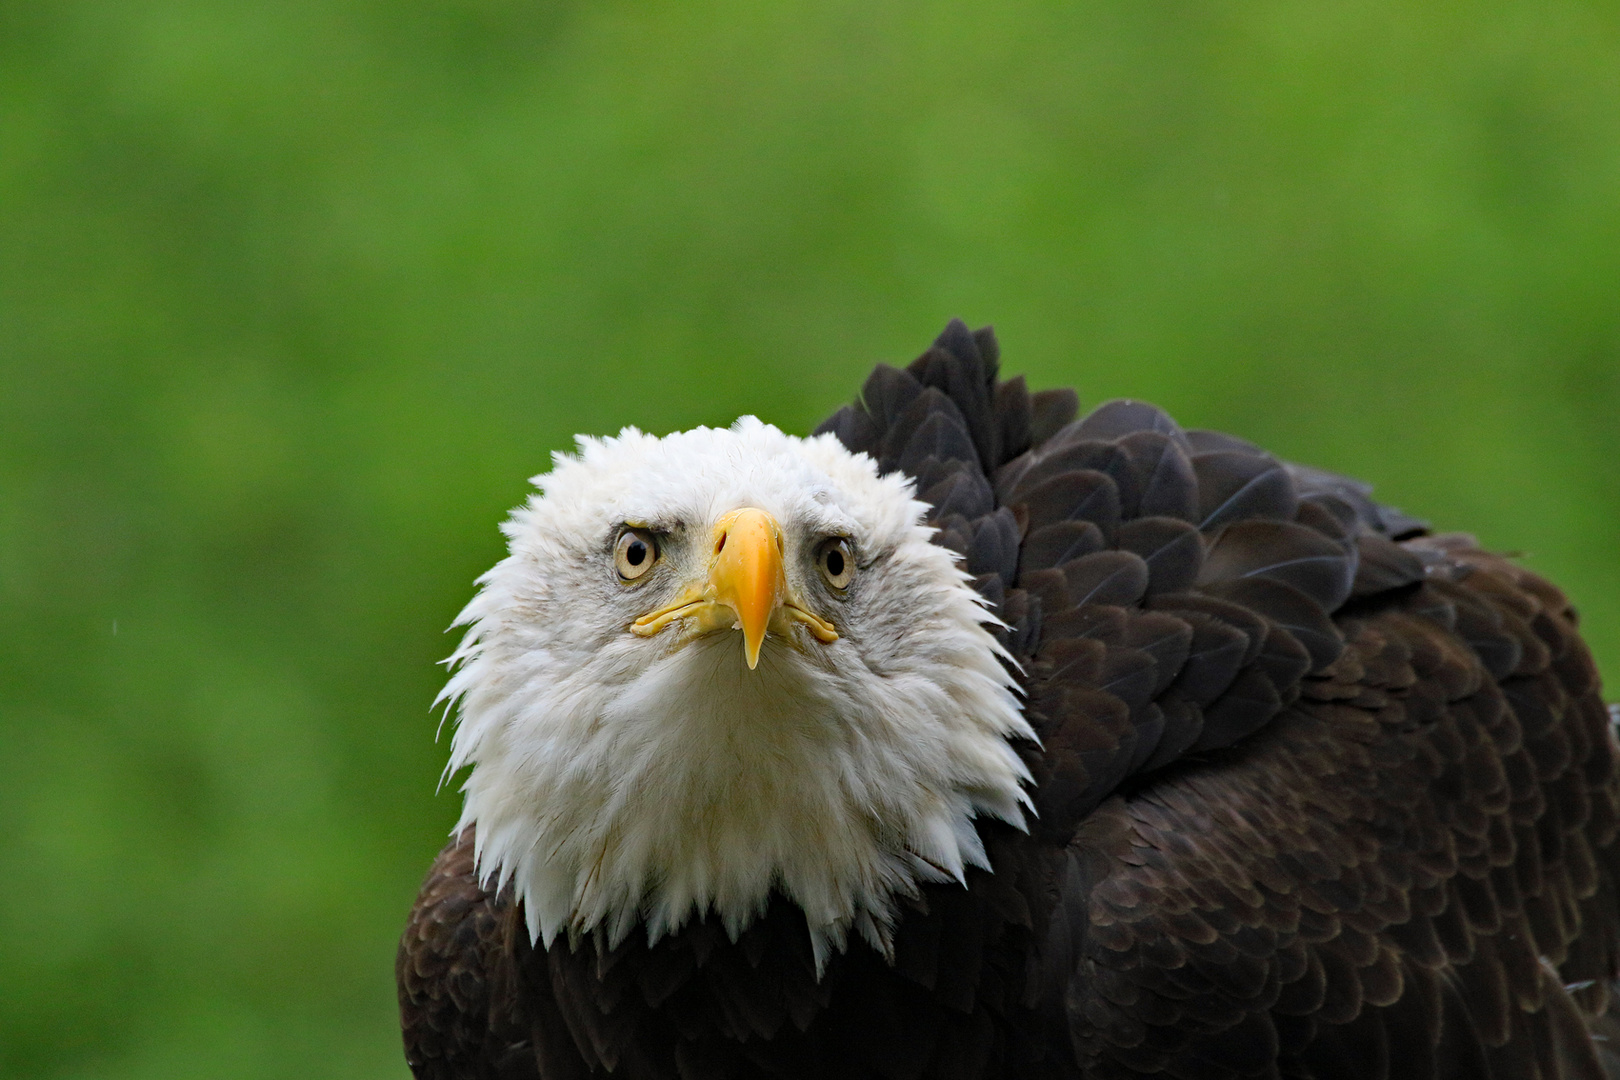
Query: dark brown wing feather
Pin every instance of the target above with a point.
(459, 1009)
(1320, 795)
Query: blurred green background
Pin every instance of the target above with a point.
(294, 296)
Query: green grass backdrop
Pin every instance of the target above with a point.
(294, 296)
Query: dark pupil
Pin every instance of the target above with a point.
(636, 553)
(835, 562)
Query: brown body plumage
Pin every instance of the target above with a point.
(1319, 794)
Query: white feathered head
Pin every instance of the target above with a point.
(720, 664)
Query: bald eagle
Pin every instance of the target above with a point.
(966, 738)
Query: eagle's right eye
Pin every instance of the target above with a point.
(635, 553)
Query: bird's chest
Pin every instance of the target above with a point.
(696, 1004)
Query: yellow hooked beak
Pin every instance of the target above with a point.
(745, 588)
(746, 574)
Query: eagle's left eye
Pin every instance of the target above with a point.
(635, 553)
(836, 560)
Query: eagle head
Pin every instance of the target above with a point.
(722, 664)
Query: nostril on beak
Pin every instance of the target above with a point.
(720, 544)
